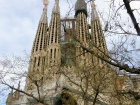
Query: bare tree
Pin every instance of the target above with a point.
(91, 82)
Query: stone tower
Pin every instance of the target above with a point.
(53, 46)
(38, 55)
(82, 33)
(97, 36)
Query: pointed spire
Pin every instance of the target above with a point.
(56, 8)
(17, 93)
(19, 85)
(12, 90)
(9, 98)
(94, 14)
(43, 18)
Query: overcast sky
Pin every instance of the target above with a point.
(18, 24)
(19, 21)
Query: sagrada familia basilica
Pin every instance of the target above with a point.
(67, 62)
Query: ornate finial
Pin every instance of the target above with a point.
(44, 14)
(45, 2)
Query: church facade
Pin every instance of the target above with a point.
(66, 65)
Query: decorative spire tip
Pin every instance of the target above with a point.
(45, 2)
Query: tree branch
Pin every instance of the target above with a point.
(130, 12)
